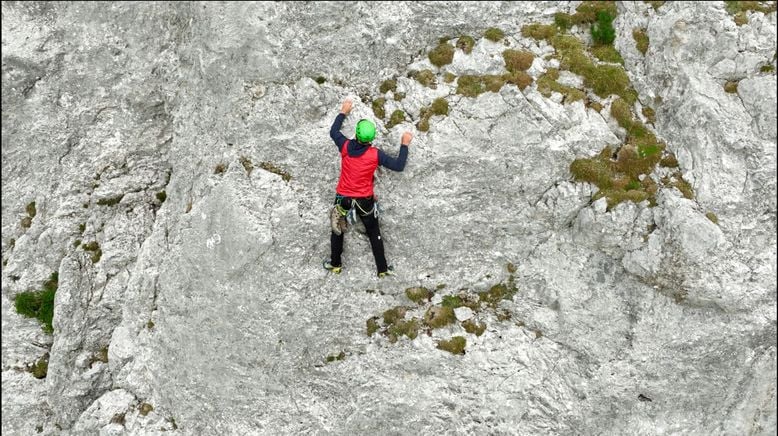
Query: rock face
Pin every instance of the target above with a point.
(179, 160)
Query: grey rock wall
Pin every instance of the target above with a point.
(208, 310)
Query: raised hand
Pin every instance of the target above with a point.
(406, 139)
(346, 108)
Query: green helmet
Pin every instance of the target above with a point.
(365, 131)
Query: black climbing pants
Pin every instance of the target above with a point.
(365, 211)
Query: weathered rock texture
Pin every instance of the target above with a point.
(207, 310)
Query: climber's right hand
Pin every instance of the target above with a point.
(406, 139)
(346, 107)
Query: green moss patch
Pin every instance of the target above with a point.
(494, 34)
(547, 83)
(473, 86)
(619, 180)
(247, 165)
(394, 314)
(677, 181)
(397, 117)
(590, 11)
(269, 166)
(30, 209)
(539, 31)
(40, 368)
(439, 316)
(731, 86)
(110, 201)
(39, 304)
(145, 409)
(320, 80)
(393, 323)
(372, 326)
(649, 114)
(426, 78)
(438, 107)
(655, 4)
(94, 247)
(449, 77)
(739, 9)
(336, 357)
(455, 345)
(669, 161)
(379, 108)
(563, 21)
(419, 294)
(442, 54)
(466, 43)
(603, 80)
(220, 168)
(497, 293)
(407, 328)
(161, 196)
(517, 60)
(607, 53)
(100, 356)
(712, 217)
(473, 327)
(388, 85)
(640, 36)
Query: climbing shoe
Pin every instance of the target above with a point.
(389, 272)
(331, 268)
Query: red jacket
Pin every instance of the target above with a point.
(356, 173)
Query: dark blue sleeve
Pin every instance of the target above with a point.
(395, 164)
(335, 131)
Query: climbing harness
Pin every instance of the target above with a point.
(351, 214)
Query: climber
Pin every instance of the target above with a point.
(354, 193)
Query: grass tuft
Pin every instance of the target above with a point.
(439, 316)
(379, 108)
(466, 43)
(539, 31)
(641, 39)
(426, 78)
(442, 54)
(494, 34)
(607, 53)
(547, 83)
(269, 166)
(471, 326)
(397, 117)
(731, 86)
(110, 201)
(563, 21)
(418, 294)
(517, 60)
(145, 408)
(455, 345)
(39, 304)
(40, 368)
(388, 85)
